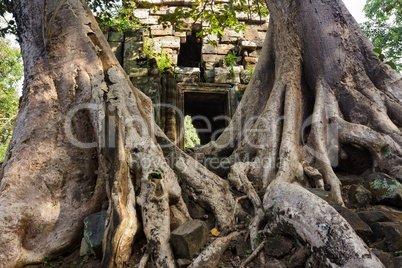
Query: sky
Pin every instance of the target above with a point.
(356, 8)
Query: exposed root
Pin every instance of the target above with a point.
(122, 221)
(294, 210)
(237, 202)
(143, 261)
(315, 175)
(238, 178)
(394, 110)
(179, 215)
(154, 204)
(323, 134)
(158, 183)
(263, 140)
(210, 257)
(366, 112)
(209, 190)
(385, 152)
(253, 255)
(255, 227)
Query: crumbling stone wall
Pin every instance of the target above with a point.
(247, 44)
(210, 72)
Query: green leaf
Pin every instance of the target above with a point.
(391, 64)
(378, 50)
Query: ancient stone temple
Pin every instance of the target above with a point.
(202, 81)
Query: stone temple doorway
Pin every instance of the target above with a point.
(210, 106)
(207, 111)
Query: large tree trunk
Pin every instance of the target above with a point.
(83, 129)
(83, 126)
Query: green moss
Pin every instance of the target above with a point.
(385, 188)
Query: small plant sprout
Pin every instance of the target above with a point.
(231, 61)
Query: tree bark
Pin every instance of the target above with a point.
(86, 138)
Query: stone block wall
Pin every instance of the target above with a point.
(210, 70)
(246, 45)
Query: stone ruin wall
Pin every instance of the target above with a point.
(209, 74)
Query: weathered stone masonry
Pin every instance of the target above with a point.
(201, 82)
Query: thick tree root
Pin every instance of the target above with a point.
(315, 175)
(158, 186)
(386, 153)
(122, 223)
(255, 226)
(144, 260)
(156, 219)
(210, 257)
(263, 138)
(323, 135)
(208, 189)
(394, 110)
(238, 178)
(296, 211)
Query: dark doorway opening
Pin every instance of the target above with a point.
(208, 112)
(190, 52)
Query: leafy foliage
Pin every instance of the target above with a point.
(11, 71)
(163, 59)
(100, 6)
(379, 56)
(10, 26)
(230, 59)
(191, 138)
(384, 28)
(110, 13)
(217, 15)
(250, 69)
